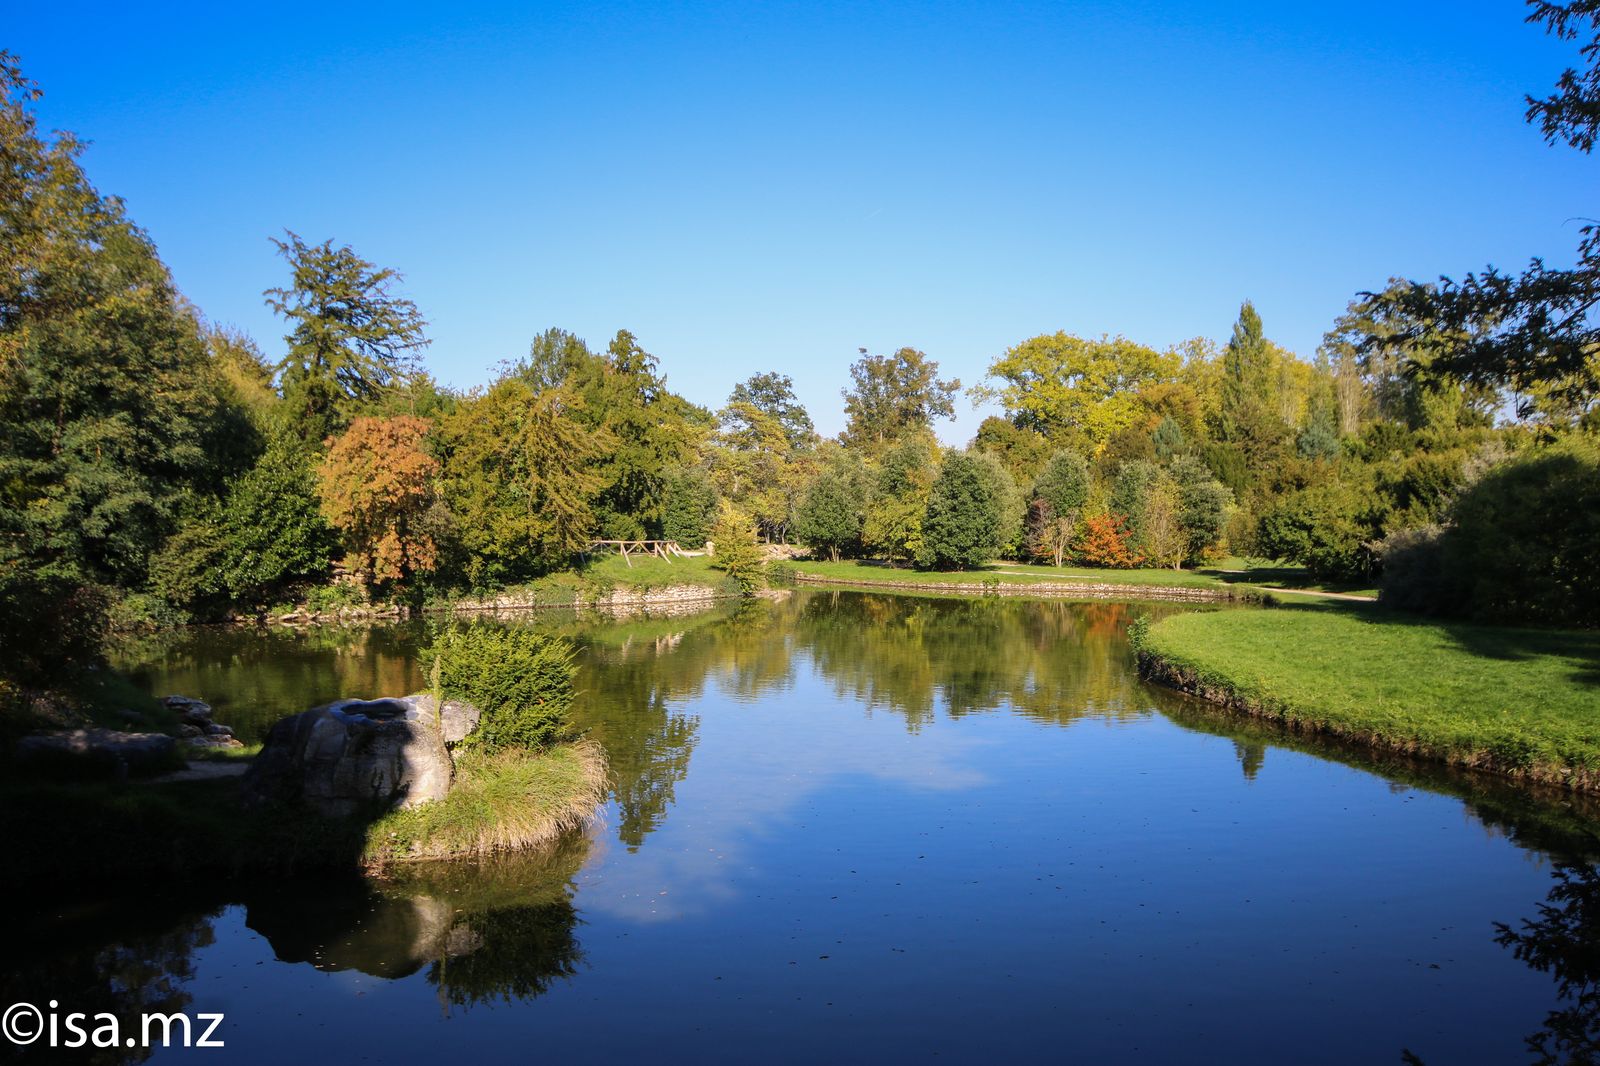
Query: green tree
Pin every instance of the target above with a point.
(1130, 495)
(1537, 332)
(691, 506)
(649, 429)
(1249, 377)
(1077, 392)
(893, 395)
(899, 501)
(1023, 451)
(773, 395)
(758, 467)
(1204, 506)
(113, 414)
(275, 535)
(831, 513)
(1332, 528)
(961, 529)
(350, 337)
(736, 552)
(554, 357)
(1062, 490)
(1011, 507)
(519, 480)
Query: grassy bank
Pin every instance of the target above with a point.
(499, 803)
(1024, 579)
(1515, 701)
(602, 577)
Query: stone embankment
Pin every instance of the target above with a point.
(622, 600)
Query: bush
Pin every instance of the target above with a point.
(1413, 571)
(1524, 541)
(520, 679)
(1107, 542)
(1330, 528)
(736, 550)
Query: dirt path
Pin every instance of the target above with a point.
(206, 770)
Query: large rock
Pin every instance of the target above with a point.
(101, 750)
(353, 756)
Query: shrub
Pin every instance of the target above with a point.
(1107, 542)
(1524, 541)
(519, 678)
(1413, 571)
(736, 550)
(1330, 528)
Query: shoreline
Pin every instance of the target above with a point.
(1082, 590)
(1508, 759)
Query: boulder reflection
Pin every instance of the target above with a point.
(498, 930)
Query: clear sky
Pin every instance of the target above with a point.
(764, 186)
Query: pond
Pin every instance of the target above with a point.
(864, 827)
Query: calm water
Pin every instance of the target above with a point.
(857, 827)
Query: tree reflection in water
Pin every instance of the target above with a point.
(144, 967)
(1564, 941)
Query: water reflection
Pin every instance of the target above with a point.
(893, 793)
(496, 930)
(125, 958)
(1564, 941)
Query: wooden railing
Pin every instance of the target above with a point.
(664, 549)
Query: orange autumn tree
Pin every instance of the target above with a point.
(1107, 542)
(375, 485)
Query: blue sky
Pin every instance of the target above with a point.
(770, 186)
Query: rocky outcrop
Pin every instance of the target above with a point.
(100, 751)
(354, 756)
(621, 600)
(196, 730)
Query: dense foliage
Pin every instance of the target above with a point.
(519, 678)
(157, 467)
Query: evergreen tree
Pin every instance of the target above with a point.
(350, 337)
(1248, 377)
(276, 537)
(961, 529)
(691, 506)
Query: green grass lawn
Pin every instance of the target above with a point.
(650, 571)
(867, 572)
(1520, 701)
